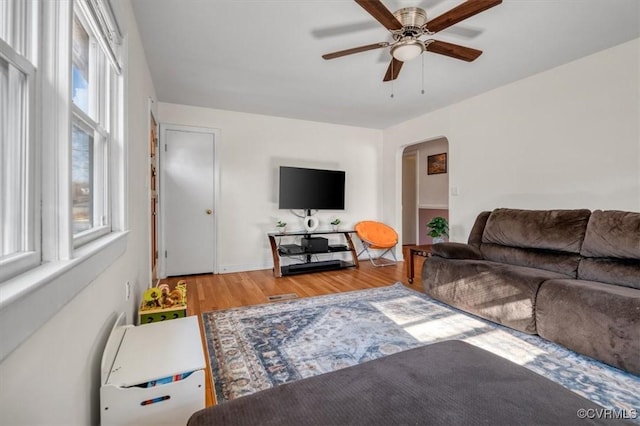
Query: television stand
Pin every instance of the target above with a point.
(308, 265)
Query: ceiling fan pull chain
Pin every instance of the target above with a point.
(392, 80)
(422, 92)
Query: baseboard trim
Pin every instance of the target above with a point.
(229, 269)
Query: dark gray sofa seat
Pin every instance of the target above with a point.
(501, 293)
(600, 321)
(571, 276)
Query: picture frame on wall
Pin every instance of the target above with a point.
(437, 164)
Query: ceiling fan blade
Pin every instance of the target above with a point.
(393, 70)
(381, 13)
(453, 50)
(355, 50)
(459, 13)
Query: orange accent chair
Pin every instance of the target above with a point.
(377, 236)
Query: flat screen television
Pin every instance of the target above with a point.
(311, 189)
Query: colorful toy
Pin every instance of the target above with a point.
(161, 303)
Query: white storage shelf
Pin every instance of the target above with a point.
(139, 355)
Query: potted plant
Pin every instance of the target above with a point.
(281, 227)
(438, 229)
(335, 224)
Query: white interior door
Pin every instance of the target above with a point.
(188, 201)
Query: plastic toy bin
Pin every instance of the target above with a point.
(153, 373)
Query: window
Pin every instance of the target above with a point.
(62, 156)
(56, 153)
(19, 245)
(91, 75)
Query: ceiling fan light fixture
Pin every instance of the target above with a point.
(407, 50)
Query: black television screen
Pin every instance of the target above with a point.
(311, 189)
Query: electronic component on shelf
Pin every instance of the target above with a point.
(303, 268)
(315, 244)
(291, 249)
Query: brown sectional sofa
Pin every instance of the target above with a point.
(570, 276)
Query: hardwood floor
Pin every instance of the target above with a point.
(214, 292)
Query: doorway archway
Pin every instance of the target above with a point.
(430, 188)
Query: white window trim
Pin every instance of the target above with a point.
(19, 262)
(12, 265)
(29, 300)
(55, 89)
(103, 21)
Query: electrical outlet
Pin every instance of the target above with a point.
(127, 290)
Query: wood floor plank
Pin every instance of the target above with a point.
(211, 292)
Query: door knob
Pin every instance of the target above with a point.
(209, 211)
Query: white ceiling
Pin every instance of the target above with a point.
(264, 56)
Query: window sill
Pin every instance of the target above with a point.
(31, 299)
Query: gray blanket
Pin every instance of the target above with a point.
(446, 383)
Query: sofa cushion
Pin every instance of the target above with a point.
(498, 292)
(611, 271)
(475, 236)
(599, 320)
(563, 263)
(614, 234)
(456, 251)
(611, 249)
(559, 230)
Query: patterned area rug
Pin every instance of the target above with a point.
(257, 347)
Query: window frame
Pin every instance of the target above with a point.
(97, 120)
(20, 28)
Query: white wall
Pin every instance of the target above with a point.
(565, 138)
(250, 149)
(53, 377)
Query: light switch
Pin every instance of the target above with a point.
(454, 191)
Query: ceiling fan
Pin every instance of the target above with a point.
(408, 24)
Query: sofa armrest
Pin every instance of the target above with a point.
(456, 251)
